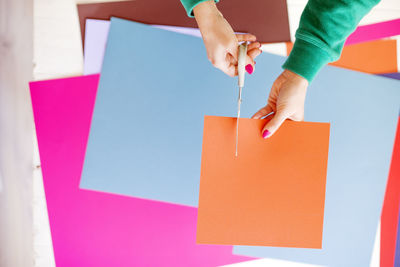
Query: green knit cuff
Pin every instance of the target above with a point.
(306, 59)
(190, 4)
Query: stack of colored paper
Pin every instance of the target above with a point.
(139, 166)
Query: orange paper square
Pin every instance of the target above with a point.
(272, 194)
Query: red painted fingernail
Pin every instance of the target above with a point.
(266, 133)
(249, 68)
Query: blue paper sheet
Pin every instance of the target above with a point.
(146, 133)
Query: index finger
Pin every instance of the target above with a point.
(245, 37)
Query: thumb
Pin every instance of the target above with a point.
(273, 125)
(234, 51)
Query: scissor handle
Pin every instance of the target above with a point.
(242, 63)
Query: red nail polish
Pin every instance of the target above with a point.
(266, 133)
(249, 68)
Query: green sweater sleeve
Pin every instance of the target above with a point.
(190, 4)
(324, 27)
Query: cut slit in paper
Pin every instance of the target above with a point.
(272, 193)
(98, 229)
(128, 72)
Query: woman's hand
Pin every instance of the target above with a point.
(286, 101)
(221, 42)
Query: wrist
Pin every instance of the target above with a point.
(204, 13)
(290, 75)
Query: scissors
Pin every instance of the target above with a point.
(241, 75)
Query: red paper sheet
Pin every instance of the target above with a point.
(390, 210)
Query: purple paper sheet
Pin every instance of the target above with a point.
(394, 75)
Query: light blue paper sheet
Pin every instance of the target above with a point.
(146, 133)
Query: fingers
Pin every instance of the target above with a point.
(227, 66)
(234, 52)
(231, 60)
(231, 70)
(253, 53)
(273, 125)
(246, 37)
(220, 59)
(249, 65)
(231, 66)
(253, 50)
(263, 112)
(253, 45)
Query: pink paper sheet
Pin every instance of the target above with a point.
(98, 229)
(374, 31)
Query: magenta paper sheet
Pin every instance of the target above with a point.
(374, 31)
(98, 229)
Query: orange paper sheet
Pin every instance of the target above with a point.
(373, 57)
(272, 194)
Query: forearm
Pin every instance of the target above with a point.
(324, 27)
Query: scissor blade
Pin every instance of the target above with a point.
(237, 120)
